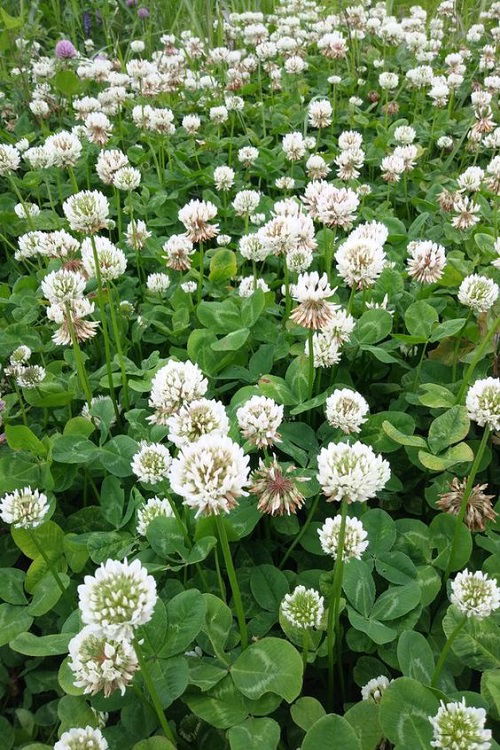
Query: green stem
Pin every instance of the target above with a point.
(333, 628)
(200, 274)
(47, 561)
(457, 346)
(153, 693)
(445, 651)
(477, 357)
(238, 604)
(74, 183)
(105, 332)
(80, 365)
(305, 648)
(310, 335)
(116, 334)
(463, 505)
(350, 301)
(21, 403)
(301, 533)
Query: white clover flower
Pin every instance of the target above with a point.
(248, 155)
(444, 142)
(466, 212)
(326, 350)
(346, 410)
(299, 259)
(87, 211)
(392, 167)
(111, 259)
(61, 244)
(63, 149)
(285, 183)
(252, 247)
(158, 283)
(200, 417)
(31, 377)
(195, 216)
(483, 402)
(457, 726)
(178, 250)
(63, 286)
(119, 598)
(404, 134)
(355, 540)
(316, 167)
(99, 662)
(351, 472)
(20, 355)
(191, 124)
(303, 608)
(245, 202)
(151, 462)
(223, 177)
(218, 114)
(374, 689)
(360, 262)
(23, 211)
(335, 207)
(109, 162)
(475, 594)
(136, 234)
(248, 286)
(24, 509)
(10, 159)
(82, 739)
(174, 385)
(98, 128)
(210, 474)
(311, 292)
(388, 81)
(259, 419)
(127, 178)
(153, 508)
(320, 113)
(341, 326)
(478, 292)
(471, 179)
(294, 146)
(426, 261)
(370, 230)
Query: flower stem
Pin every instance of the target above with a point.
(351, 300)
(301, 533)
(238, 604)
(333, 629)
(463, 505)
(200, 272)
(444, 653)
(310, 335)
(116, 334)
(153, 693)
(305, 648)
(478, 356)
(47, 561)
(107, 347)
(456, 348)
(80, 365)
